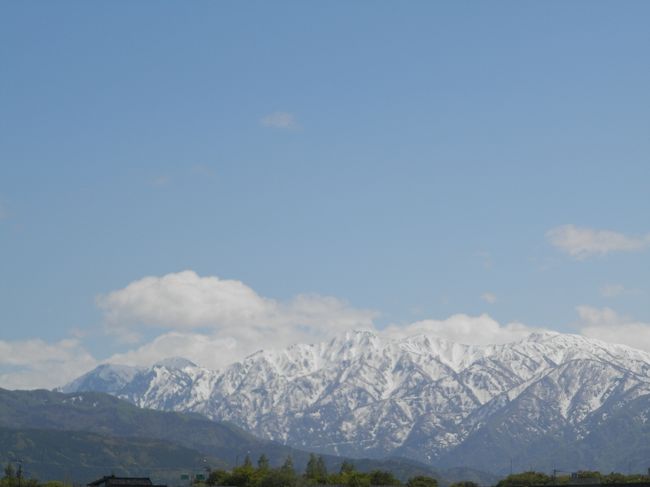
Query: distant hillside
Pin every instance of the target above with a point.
(106, 415)
(81, 457)
(92, 426)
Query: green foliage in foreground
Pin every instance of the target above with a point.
(315, 474)
(529, 479)
(348, 476)
(13, 477)
(421, 481)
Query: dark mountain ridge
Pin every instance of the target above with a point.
(82, 435)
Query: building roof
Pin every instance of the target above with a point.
(112, 480)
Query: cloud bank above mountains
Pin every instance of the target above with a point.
(217, 321)
(35, 363)
(186, 301)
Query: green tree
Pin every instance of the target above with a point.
(263, 462)
(239, 477)
(590, 474)
(287, 467)
(525, 479)
(321, 470)
(278, 478)
(614, 478)
(357, 479)
(311, 471)
(9, 479)
(316, 471)
(347, 467)
(422, 481)
(383, 477)
(10, 472)
(464, 483)
(247, 461)
(14, 478)
(216, 477)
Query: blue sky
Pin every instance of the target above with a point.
(412, 161)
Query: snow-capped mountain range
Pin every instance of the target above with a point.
(550, 398)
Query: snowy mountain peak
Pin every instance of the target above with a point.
(105, 378)
(368, 394)
(175, 363)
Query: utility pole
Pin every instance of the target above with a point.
(19, 473)
(555, 472)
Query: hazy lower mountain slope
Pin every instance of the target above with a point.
(54, 433)
(421, 397)
(106, 415)
(80, 456)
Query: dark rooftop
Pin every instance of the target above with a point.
(112, 480)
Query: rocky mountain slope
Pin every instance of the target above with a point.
(421, 397)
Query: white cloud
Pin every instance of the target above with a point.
(206, 350)
(184, 300)
(581, 242)
(280, 120)
(31, 364)
(607, 325)
(489, 298)
(461, 328)
(221, 319)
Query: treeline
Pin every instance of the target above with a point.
(15, 477)
(263, 475)
(529, 479)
